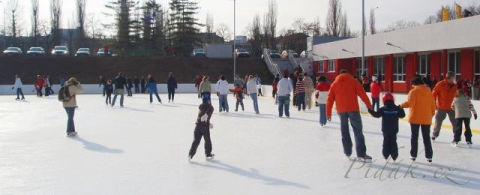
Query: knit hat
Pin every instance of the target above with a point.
(388, 97)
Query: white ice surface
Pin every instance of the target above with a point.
(142, 149)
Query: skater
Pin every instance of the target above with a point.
(375, 91)
(129, 86)
(101, 83)
(108, 92)
(143, 84)
(152, 89)
(50, 85)
(284, 90)
(202, 129)
(136, 84)
(309, 87)
(62, 81)
(344, 92)
(205, 89)
(443, 93)
(18, 85)
(197, 81)
(68, 95)
(293, 79)
(390, 114)
(252, 91)
(422, 109)
(238, 81)
(321, 95)
(463, 108)
(258, 81)
(39, 86)
(46, 86)
(120, 83)
(222, 93)
(238, 91)
(275, 86)
(300, 94)
(171, 86)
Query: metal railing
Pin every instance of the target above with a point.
(272, 66)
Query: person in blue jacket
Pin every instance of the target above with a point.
(171, 86)
(390, 114)
(152, 88)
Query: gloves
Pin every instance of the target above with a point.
(475, 116)
(370, 111)
(211, 126)
(204, 118)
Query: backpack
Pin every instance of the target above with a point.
(64, 94)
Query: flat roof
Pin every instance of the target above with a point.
(454, 34)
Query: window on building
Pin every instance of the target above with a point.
(331, 66)
(321, 67)
(359, 67)
(423, 64)
(379, 68)
(477, 62)
(399, 68)
(454, 62)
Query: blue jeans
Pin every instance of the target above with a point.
(323, 114)
(301, 101)
(118, 92)
(356, 123)
(70, 124)
(376, 104)
(206, 95)
(223, 103)
(255, 102)
(156, 94)
(20, 92)
(284, 103)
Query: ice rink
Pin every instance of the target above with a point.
(142, 149)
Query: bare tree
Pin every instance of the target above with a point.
(80, 6)
(224, 31)
(255, 36)
(272, 21)
(344, 30)
(373, 29)
(55, 18)
(35, 13)
(14, 26)
(209, 24)
(334, 18)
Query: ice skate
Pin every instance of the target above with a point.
(366, 159)
(434, 138)
(429, 161)
(454, 144)
(210, 157)
(71, 134)
(413, 158)
(469, 144)
(189, 158)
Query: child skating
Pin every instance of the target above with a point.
(202, 129)
(108, 88)
(390, 114)
(238, 91)
(463, 108)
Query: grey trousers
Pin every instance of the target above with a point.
(356, 122)
(439, 117)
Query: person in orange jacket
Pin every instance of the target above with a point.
(444, 93)
(422, 108)
(238, 91)
(375, 90)
(344, 92)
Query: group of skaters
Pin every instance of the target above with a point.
(121, 83)
(43, 86)
(447, 98)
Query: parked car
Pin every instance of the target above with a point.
(243, 53)
(83, 52)
(199, 53)
(60, 51)
(275, 54)
(12, 51)
(36, 51)
(101, 52)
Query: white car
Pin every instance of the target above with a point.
(83, 52)
(12, 51)
(60, 51)
(36, 51)
(198, 53)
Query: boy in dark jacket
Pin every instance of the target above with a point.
(202, 129)
(238, 91)
(108, 88)
(390, 114)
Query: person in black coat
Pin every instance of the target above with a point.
(129, 86)
(390, 114)
(171, 86)
(101, 83)
(136, 83)
(120, 83)
(108, 91)
(202, 129)
(143, 84)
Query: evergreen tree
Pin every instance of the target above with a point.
(123, 22)
(183, 26)
(153, 28)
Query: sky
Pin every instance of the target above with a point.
(387, 11)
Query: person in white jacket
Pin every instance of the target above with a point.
(222, 93)
(18, 85)
(284, 90)
(252, 91)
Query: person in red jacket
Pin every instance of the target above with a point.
(344, 92)
(39, 85)
(375, 90)
(444, 93)
(238, 91)
(321, 93)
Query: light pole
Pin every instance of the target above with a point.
(234, 39)
(363, 37)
